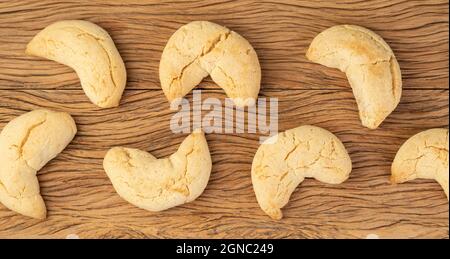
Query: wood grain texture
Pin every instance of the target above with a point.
(79, 196)
(280, 32)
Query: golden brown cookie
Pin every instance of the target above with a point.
(370, 65)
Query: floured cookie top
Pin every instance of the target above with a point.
(370, 65)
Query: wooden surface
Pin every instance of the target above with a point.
(80, 198)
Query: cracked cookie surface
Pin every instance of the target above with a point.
(27, 143)
(284, 161)
(370, 65)
(89, 50)
(425, 156)
(202, 48)
(159, 184)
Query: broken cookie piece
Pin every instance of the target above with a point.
(370, 65)
(425, 156)
(89, 50)
(285, 160)
(159, 184)
(202, 48)
(27, 143)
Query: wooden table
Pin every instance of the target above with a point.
(80, 198)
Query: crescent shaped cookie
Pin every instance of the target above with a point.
(89, 50)
(425, 156)
(370, 65)
(27, 143)
(202, 48)
(284, 161)
(159, 184)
